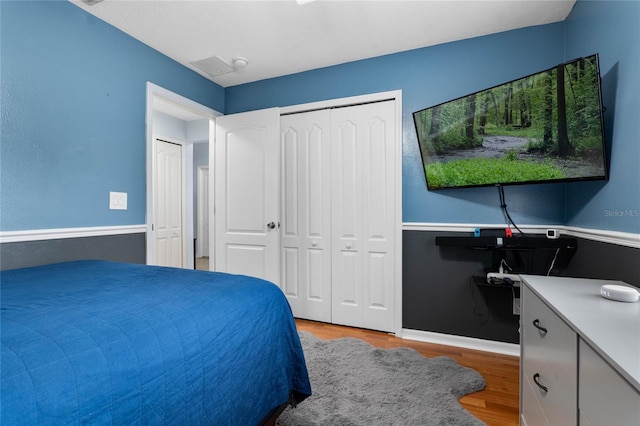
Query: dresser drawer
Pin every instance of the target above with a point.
(605, 396)
(549, 360)
(531, 413)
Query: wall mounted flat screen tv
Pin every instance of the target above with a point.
(546, 127)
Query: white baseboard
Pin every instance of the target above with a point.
(512, 349)
(60, 233)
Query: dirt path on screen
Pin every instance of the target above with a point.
(499, 146)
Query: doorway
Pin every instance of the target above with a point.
(202, 218)
(169, 203)
(170, 116)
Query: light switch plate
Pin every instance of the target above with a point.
(118, 200)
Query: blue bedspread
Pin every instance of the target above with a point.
(98, 342)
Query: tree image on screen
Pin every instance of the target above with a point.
(539, 128)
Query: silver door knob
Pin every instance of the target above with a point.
(348, 246)
(314, 243)
(271, 225)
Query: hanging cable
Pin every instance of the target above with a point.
(503, 205)
(553, 262)
(503, 263)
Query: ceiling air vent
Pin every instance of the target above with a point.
(213, 66)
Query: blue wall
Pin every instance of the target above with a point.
(435, 74)
(73, 111)
(73, 116)
(427, 77)
(611, 28)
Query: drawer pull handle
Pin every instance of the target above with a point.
(535, 380)
(536, 324)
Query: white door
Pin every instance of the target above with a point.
(247, 194)
(306, 213)
(203, 211)
(363, 215)
(168, 204)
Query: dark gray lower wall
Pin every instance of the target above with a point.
(130, 248)
(596, 259)
(439, 294)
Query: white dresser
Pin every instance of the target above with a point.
(580, 354)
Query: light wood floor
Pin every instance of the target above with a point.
(496, 405)
(202, 263)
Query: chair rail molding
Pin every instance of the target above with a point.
(626, 239)
(60, 233)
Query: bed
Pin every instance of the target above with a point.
(113, 343)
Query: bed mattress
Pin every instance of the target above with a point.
(112, 343)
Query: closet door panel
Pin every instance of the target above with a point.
(290, 183)
(290, 273)
(347, 287)
(291, 236)
(377, 263)
(316, 278)
(376, 173)
(346, 191)
(378, 203)
(317, 183)
(306, 221)
(363, 189)
(346, 223)
(317, 227)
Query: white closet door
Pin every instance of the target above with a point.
(168, 203)
(306, 214)
(247, 194)
(363, 215)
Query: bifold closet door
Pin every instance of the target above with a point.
(306, 214)
(363, 182)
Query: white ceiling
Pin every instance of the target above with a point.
(280, 37)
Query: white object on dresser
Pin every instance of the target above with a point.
(580, 354)
(620, 293)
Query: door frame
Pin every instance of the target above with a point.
(395, 95)
(155, 95)
(200, 208)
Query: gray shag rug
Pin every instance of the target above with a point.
(354, 383)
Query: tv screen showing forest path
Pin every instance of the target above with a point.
(545, 127)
